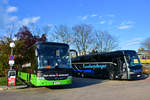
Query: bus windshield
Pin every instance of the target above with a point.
(50, 56)
(132, 58)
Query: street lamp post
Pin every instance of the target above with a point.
(11, 61)
(11, 72)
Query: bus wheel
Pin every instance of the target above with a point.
(82, 75)
(111, 76)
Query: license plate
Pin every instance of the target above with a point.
(56, 83)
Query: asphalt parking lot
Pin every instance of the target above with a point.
(85, 89)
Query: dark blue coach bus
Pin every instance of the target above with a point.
(122, 64)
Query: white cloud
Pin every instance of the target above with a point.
(102, 22)
(35, 19)
(84, 17)
(27, 21)
(93, 15)
(12, 18)
(5, 18)
(11, 9)
(100, 16)
(134, 41)
(126, 25)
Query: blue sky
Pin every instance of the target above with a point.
(128, 20)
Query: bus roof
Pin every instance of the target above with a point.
(118, 53)
(51, 43)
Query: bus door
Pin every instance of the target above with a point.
(122, 68)
(125, 69)
(119, 67)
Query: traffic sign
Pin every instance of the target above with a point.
(11, 57)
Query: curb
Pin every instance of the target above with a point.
(148, 79)
(2, 89)
(17, 87)
(11, 88)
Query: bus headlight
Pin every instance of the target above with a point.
(40, 78)
(70, 77)
(39, 74)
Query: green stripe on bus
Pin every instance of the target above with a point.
(36, 82)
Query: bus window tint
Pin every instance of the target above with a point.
(50, 55)
(132, 59)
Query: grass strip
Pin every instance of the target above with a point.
(3, 81)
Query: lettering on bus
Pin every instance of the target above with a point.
(55, 75)
(95, 66)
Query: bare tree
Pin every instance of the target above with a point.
(105, 42)
(146, 43)
(82, 37)
(62, 34)
(46, 29)
(37, 31)
(11, 30)
(32, 28)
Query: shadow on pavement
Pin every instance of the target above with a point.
(84, 82)
(79, 83)
(144, 76)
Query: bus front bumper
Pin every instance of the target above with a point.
(133, 75)
(53, 82)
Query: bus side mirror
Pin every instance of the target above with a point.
(73, 53)
(115, 64)
(36, 53)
